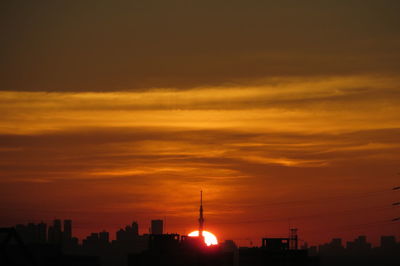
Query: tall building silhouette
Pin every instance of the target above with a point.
(57, 231)
(135, 228)
(67, 230)
(50, 234)
(42, 232)
(157, 227)
(104, 236)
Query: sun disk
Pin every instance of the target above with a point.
(209, 238)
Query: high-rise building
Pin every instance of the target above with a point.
(120, 235)
(135, 228)
(67, 230)
(50, 235)
(157, 227)
(104, 236)
(57, 231)
(42, 232)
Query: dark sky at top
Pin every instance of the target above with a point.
(130, 45)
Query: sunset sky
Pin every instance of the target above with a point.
(289, 113)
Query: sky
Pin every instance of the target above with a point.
(284, 114)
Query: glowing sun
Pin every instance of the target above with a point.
(209, 238)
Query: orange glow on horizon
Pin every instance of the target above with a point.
(209, 238)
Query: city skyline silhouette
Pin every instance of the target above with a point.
(158, 247)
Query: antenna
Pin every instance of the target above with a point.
(293, 238)
(201, 218)
(165, 224)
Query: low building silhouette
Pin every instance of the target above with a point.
(360, 252)
(14, 251)
(275, 251)
(173, 249)
(39, 244)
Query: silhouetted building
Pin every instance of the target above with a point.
(359, 245)
(389, 250)
(93, 238)
(32, 233)
(229, 246)
(334, 248)
(135, 228)
(57, 231)
(157, 227)
(96, 239)
(128, 241)
(42, 232)
(275, 243)
(129, 233)
(275, 251)
(313, 251)
(96, 244)
(388, 242)
(67, 230)
(50, 235)
(14, 251)
(171, 249)
(163, 242)
(293, 238)
(104, 237)
(360, 252)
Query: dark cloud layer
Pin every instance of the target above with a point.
(125, 45)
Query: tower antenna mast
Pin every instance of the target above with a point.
(201, 218)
